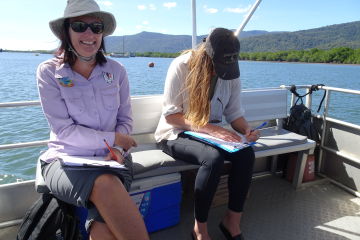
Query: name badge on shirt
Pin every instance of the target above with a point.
(109, 77)
(65, 82)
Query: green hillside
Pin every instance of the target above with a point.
(339, 35)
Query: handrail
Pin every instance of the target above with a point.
(23, 145)
(343, 90)
(20, 104)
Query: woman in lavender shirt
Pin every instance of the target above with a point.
(85, 98)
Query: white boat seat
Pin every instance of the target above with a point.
(260, 105)
(150, 161)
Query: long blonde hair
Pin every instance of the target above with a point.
(197, 84)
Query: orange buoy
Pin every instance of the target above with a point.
(151, 64)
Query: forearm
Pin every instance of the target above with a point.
(178, 120)
(240, 125)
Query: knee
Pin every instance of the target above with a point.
(106, 184)
(100, 231)
(247, 156)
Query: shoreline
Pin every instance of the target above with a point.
(295, 62)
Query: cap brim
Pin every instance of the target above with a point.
(227, 71)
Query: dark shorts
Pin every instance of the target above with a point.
(74, 186)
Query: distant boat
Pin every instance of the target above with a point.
(122, 54)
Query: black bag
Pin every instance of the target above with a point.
(300, 120)
(48, 219)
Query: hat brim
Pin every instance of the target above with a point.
(107, 18)
(227, 71)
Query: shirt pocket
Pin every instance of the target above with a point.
(110, 98)
(74, 102)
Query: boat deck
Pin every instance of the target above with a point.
(275, 210)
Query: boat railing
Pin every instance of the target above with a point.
(325, 121)
(324, 116)
(23, 144)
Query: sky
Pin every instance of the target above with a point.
(24, 23)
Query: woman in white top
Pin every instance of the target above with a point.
(201, 87)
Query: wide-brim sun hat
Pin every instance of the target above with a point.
(223, 47)
(77, 8)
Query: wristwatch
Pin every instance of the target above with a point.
(119, 148)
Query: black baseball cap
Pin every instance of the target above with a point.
(223, 47)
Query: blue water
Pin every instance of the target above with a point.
(18, 83)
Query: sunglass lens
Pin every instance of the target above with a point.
(79, 26)
(97, 27)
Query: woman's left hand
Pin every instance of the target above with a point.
(252, 136)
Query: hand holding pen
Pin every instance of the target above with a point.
(254, 134)
(112, 155)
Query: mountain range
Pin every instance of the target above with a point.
(338, 35)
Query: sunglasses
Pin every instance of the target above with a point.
(80, 27)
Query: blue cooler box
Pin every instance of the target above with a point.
(158, 199)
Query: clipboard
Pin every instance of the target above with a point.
(89, 162)
(230, 147)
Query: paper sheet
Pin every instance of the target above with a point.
(226, 145)
(89, 161)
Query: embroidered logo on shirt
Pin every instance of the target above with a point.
(65, 82)
(108, 77)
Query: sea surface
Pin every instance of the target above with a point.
(18, 83)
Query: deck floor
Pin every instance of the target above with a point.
(275, 210)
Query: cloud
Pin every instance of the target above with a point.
(210, 10)
(169, 4)
(105, 3)
(145, 22)
(141, 7)
(152, 7)
(238, 10)
(142, 27)
(144, 7)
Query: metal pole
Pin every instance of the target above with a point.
(193, 14)
(323, 132)
(247, 18)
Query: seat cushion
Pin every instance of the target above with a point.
(273, 137)
(155, 160)
(40, 185)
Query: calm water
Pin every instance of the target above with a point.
(17, 83)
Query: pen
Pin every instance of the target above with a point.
(260, 126)
(111, 151)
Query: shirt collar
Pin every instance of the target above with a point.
(64, 70)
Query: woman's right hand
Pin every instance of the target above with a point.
(224, 134)
(124, 141)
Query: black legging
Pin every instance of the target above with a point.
(211, 160)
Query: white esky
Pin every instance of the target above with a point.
(24, 23)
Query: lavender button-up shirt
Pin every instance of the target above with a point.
(82, 112)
